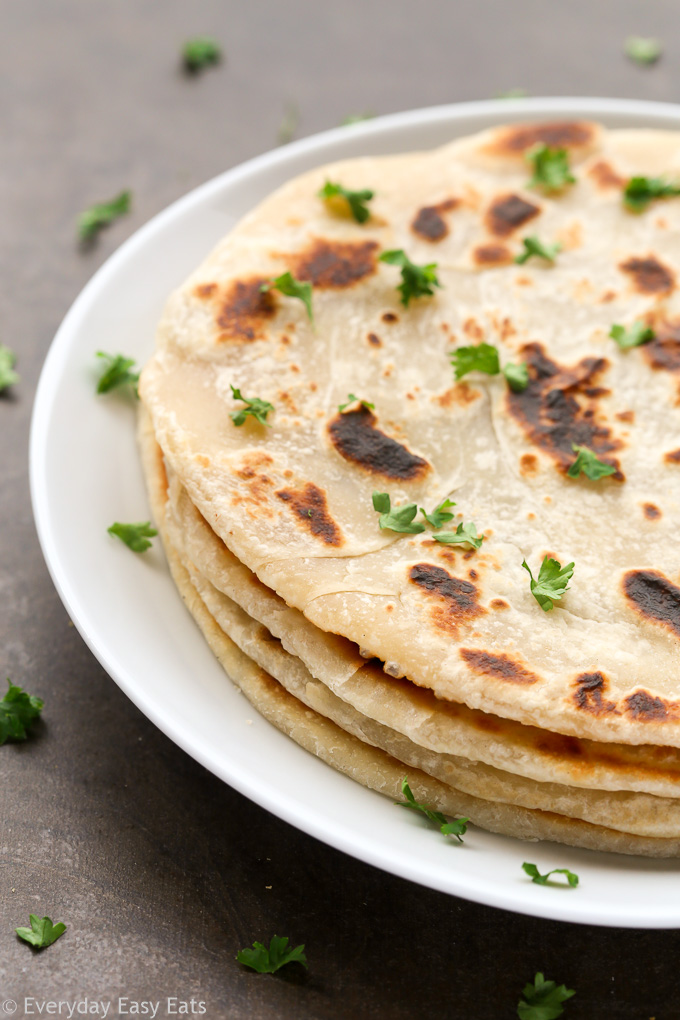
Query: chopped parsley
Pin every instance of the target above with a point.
(356, 118)
(476, 358)
(551, 168)
(352, 399)
(416, 281)
(543, 1000)
(289, 124)
(638, 333)
(42, 932)
(589, 464)
(259, 409)
(516, 376)
(356, 200)
(440, 515)
(97, 216)
(268, 961)
(532, 246)
(457, 828)
(463, 533)
(200, 52)
(288, 285)
(117, 372)
(399, 518)
(8, 377)
(135, 536)
(641, 50)
(535, 875)
(551, 583)
(639, 192)
(18, 710)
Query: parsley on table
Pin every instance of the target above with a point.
(288, 285)
(457, 827)
(356, 118)
(551, 583)
(42, 932)
(589, 464)
(416, 281)
(268, 961)
(516, 376)
(8, 377)
(352, 399)
(117, 372)
(535, 875)
(398, 519)
(475, 358)
(135, 536)
(200, 52)
(532, 246)
(637, 334)
(551, 168)
(289, 124)
(463, 533)
(356, 200)
(639, 192)
(440, 515)
(543, 1000)
(18, 710)
(642, 50)
(259, 409)
(97, 216)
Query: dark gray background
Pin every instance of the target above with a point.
(160, 871)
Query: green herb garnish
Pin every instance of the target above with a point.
(440, 514)
(551, 583)
(589, 464)
(356, 118)
(532, 246)
(8, 377)
(259, 409)
(356, 200)
(268, 961)
(135, 536)
(642, 50)
(93, 219)
(398, 519)
(535, 875)
(352, 399)
(42, 932)
(289, 124)
(416, 281)
(463, 533)
(551, 168)
(201, 52)
(639, 192)
(638, 333)
(476, 358)
(18, 710)
(516, 376)
(542, 1000)
(457, 827)
(288, 285)
(117, 372)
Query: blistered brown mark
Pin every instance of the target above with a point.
(663, 352)
(244, 310)
(605, 176)
(205, 290)
(654, 597)
(509, 212)
(524, 281)
(492, 255)
(645, 707)
(555, 412)
(627, 416)
(456, 602)
(500, 667)
(429, 224)
(473, 575)
(472, 329)
(309, 505)
(516, 139)
(651, 512)
(335, 264)
(356, 438)
(648, 275)
(389, 317)
(374, 340)
(672, 457)
(608, 297)
(528, 465)
(589, 694)
(499, 604)
(203, 460)
(488, 723)
(461, 394)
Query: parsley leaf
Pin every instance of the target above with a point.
(201, 52)
(97, 216)
(8, 377)
(516, 376)
(135, 536)
(42, 932)
(288, 285)
(117, 372)
(268, 961)
(398, 519)
(356, 118)
(540, 879)
(457, 828)
(17, 711)
(356, 200)
(637, 334)
(543, 1000)
(416, 281)
(551, 583)
(351, 399)
(640, 191)
(590, 464)
(288, 125)
(439, 515)
(259, 409)
(463, 533)
(642, 50)
(551, 168)
(476, 358)
(532, 246)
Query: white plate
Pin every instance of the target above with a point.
(85, 475)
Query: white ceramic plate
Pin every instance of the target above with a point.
(85, 475)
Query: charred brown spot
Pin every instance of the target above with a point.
(500, 667)
(472, 329)
(649, 276)
(589, 694)
(646, 707)
(672, 457)
(374, 340)
(429, 222)
(608, 297)
(492, 255)
(654, 597)
(335, 264)
(556, 412)
(507, 213)
(515, 140)
(559, 745)
(627, 416)
(356, 438)
(604, 176)
(461, 394)
(309, 504)
(528, 464)
(456, 601)
(245, 310)
(389, 317)
(499, 604)
(663, 352)
(205, 290)
(651, 512)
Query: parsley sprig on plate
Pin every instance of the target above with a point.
(268, 960)
(42, 932)
(637, 334)
(532, 246)
(288, 285)
(18, 711)
(642, 50)
(117, 372)
(255, 407)
(464, 533)
(401, 519)
(135, 536)
(535, 875)
(8, 377)
(551, 168)
(639, 192)
(416, 281)
(102, 214)
(589, 464)
(457, 827)
(440, 515)
(542, 1000)
(354, 200)
(485, 358)
(352, 399)
(200, 53)
(552, 581)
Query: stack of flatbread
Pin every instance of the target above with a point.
(391, 653)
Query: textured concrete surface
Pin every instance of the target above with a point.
(160, 871)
